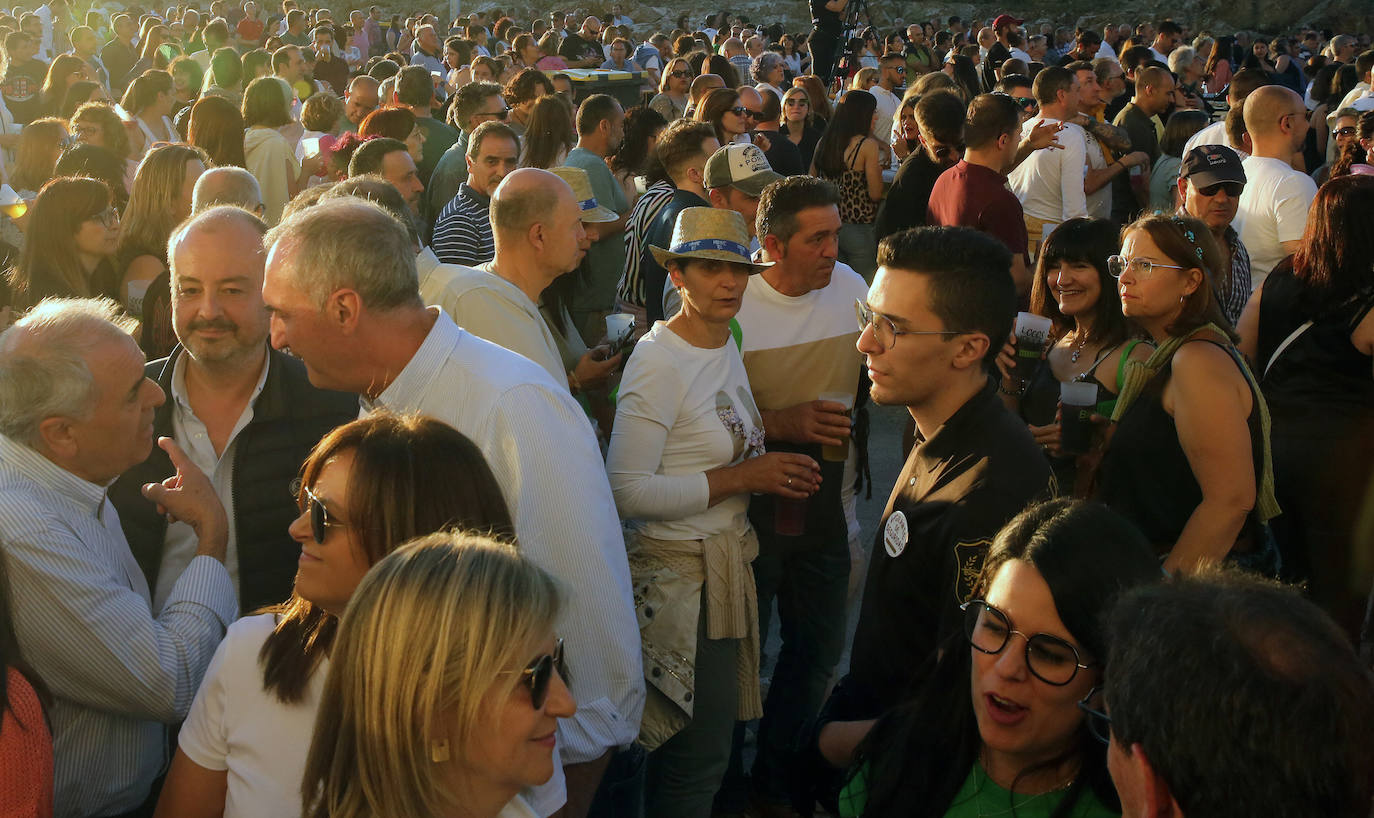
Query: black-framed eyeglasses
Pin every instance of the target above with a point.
(539, 673)
(1349, 130)
(320, 518)
(884, 331)
(1141, 268)
(1099, 723)
(1050, 659)
(108, 218)
(1232, 189)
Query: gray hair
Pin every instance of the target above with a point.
(348, 243)
(43, 369)
(227, 185)
(764, 63)
(1181, 58)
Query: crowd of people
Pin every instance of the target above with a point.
(392, 424)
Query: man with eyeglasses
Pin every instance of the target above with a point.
(1274, 718)
(932, 324)
(1210, 183)
(1272, 215)
(940, 129)
(244, 414)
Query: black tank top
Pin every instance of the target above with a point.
(1321, 368)
(1146, 475)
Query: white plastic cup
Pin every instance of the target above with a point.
(618, 326)
(310, 146)
(1032, 329)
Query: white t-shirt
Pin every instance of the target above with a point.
(1214, 134)
(681, 411)
(888, 105)
(1100, 200)
(237, 726)
(1273, 209)
(1049, 183)
(1105, 50)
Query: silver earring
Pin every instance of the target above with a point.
(1182, 299)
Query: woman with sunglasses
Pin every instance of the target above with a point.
(1310, 331)
(367, 487)
(1188, 461)
(73, 233)
(446, 689)
(848, 156)
(799, 123)
(995, 726)
(1091, 341)
(721, 107)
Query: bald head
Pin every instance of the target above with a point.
(526, 197)
(227, 185)
(705, 84)
(1276, 120)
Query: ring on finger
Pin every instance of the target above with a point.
(789, 481)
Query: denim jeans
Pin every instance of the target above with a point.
(808, 576)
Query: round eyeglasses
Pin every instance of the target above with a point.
(1050, 659)
(1141, 268)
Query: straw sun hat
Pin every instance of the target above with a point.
(581, 184)
(709, 233)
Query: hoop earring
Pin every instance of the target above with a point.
(438, 750)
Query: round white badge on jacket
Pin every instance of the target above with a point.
(895, 534)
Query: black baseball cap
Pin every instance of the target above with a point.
(1206, 165)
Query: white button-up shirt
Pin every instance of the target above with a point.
(541, 448)
(179, 543)
(82, 614)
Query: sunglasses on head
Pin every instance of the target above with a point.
(539, 673)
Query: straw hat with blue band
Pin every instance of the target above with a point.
(709, 233)
(581, 184)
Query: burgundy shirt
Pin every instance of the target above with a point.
(975, 196)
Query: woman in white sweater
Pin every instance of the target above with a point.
(685, 454)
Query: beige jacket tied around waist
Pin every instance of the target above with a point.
(669, 577)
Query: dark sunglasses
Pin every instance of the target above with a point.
(540, 672)
(1233, 189)
(945, 151)
(1347, 131)
(320, 518)
(743, 111)
(1027, 103)
(681, 74)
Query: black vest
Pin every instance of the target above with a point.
(289, 418)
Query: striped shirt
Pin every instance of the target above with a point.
(545, 457)
(655, 198)
(82, 612)
(462, 234)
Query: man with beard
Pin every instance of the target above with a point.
(245, 414)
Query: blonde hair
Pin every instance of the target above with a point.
(433, 629)
(863, 76)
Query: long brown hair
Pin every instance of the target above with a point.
(411, 476)
(713, 107)
(548, 133)
(1336, 258)
(35, 157)
(55, 84)
(154, 203)
(217, 128)
(1188, 243)
(49, 263)
(1084, 241)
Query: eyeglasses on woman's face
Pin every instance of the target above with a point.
(108, 218)
(1049, 658)
(1141, 269)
